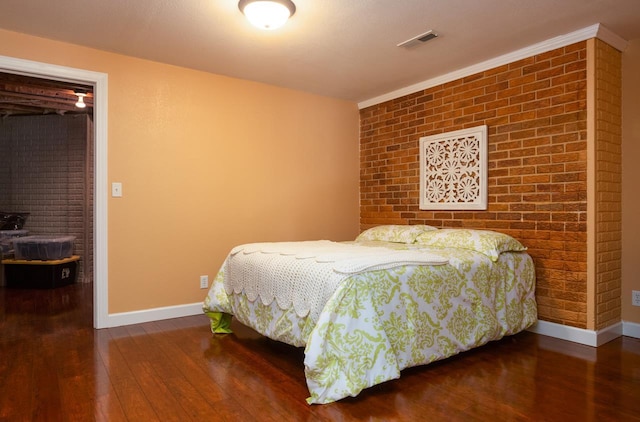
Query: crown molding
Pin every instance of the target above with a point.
(611, 38)
(593, 31)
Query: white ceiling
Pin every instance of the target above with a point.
(338, 48)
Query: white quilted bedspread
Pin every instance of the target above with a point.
(304, 275)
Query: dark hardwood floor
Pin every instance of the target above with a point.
(55, 367)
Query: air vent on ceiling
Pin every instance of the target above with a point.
(418, 39)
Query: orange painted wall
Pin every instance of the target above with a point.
(630, 179)
(208, 162)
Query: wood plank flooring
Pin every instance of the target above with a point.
(55, 367)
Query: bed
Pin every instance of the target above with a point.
(396, 297)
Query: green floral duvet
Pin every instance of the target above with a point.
(379, 322)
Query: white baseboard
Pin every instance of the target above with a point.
(630, 329)
(155, 314)
(551, 329)
(579, 335)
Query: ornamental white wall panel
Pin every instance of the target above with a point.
(453, 170)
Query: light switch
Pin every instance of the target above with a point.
(116, 189)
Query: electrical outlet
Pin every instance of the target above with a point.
(635, 297)
(204, 281)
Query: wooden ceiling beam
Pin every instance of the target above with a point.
(23, 95)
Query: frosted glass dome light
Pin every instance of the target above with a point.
(267, 15)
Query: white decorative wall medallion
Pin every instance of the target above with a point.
(453, 170)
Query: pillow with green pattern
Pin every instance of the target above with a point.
(487, 242)
(396, 233)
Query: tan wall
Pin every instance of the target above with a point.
(630, 179)
(207, 162)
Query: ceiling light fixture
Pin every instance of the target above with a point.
(80, 95)
(269, 15)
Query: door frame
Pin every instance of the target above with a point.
(100, 216)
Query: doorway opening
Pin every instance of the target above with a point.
(98, 81)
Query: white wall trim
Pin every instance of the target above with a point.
(579, 351)
(99, 82)
(156, 314)
(593, 31)
(611, 38)
(578, 335)
(631, 329)
(609, 333)
(101, 197)
(563, 332)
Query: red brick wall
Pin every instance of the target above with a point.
(535, 110)
(608, 184)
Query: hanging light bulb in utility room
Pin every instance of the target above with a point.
(80, 95)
